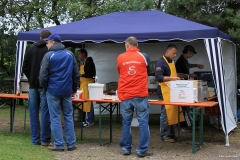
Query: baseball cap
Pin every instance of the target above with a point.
(53, 37)
(189, 48)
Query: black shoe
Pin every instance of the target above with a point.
(38, 143)
(73, 148)
(141, 155)
(126, 153)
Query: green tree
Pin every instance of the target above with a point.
(223, 14)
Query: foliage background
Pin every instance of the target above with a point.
(19, 16)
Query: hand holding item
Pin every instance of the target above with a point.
(200, 66)
(192, 75)
(175, 78)
(73, 95)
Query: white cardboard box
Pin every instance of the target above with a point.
(183, 91)
(183, 95)
(183, 84)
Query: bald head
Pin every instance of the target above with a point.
(131, 42)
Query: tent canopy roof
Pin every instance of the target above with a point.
(117, 26)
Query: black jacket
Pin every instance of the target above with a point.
(89, 68)
(32, 62)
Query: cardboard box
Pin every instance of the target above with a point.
(183, 95)
(183, 84)
(183, 91)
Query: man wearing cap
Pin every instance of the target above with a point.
(182, 65)
(59, 76)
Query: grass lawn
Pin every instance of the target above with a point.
(17, 145)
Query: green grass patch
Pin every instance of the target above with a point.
(18, 146)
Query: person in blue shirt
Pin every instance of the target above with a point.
(165, 72)
(59, 76)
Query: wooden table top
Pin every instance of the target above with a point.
(197, 104)
(159, 102)
(7, 95)
(155, 102)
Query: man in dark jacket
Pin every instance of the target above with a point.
(88, 73)
(37, 96)
(59, 76)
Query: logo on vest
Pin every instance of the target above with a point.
(131, 70)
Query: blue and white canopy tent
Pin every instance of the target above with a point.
(157, 26)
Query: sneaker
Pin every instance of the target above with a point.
(183, 130)
(86, 124)
(170, 140)
(126, 153)
(73, 148)
(141, 155)
(53, 148)
(45, 144)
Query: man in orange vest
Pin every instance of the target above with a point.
(133, 67)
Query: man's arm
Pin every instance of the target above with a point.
(75, 76)
(167, 78)
(200, 66)
(159, 73)
(26, 63)
(89, 69)
(44, 71)
(146, 57)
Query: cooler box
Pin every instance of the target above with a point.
(183, 91)
(95, 91)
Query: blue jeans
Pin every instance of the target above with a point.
(142, 111)
(166, 131)
(90, 115)
(36, 100)
(65, 105)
